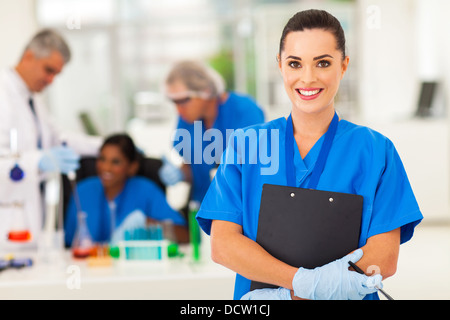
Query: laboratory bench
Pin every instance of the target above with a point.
(62, 277)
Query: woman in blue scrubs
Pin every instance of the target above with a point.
(312, 62)
(203, 104)
(116, 199)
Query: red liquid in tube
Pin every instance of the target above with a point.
(19, 235)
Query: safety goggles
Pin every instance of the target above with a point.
(181, 99)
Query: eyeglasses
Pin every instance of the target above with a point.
(181, 101)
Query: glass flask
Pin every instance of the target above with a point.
(82, 244)
(19, 231)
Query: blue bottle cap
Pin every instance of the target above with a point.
(16, 173)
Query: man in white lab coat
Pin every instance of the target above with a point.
(28, 140)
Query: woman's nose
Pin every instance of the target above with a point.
(308, 75)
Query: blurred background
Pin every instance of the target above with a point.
(397, 83)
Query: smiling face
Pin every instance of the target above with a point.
(113, 169)
(312, 68)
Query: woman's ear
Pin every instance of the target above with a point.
(345, 63)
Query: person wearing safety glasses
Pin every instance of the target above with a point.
(205, 109)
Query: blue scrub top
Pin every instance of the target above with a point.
(139, 193)
(361, 161)
(238, 111)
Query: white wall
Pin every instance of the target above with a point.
(433, 43)
(387, 59)
(18, 24)
(402, 43)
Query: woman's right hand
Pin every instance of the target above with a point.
(334, 281)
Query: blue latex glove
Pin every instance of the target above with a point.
(60, 158)
(268, 294)
(169, 173)
(334, 281)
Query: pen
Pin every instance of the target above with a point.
(358, 269)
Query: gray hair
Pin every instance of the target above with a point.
(46, 41)
(197, 77)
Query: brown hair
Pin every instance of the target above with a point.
(315, 19)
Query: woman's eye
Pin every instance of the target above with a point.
(116, 162)
(323, 64)
(294, 64)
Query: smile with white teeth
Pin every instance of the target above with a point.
(308, 92)
(107, 176)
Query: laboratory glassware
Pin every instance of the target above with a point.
(82, 244)
(194, 230)
(19, 231)
(19, 228)
(16, 173)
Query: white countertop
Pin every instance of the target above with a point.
(68, 278)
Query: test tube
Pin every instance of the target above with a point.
(194, 230)
(159, 236)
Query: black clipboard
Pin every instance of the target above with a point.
(306, 227)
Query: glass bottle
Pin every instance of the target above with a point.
(19, 230)
(82, 244)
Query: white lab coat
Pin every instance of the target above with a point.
(15, 112)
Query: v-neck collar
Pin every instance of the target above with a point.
(303, 167)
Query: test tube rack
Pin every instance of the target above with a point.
(144, 245)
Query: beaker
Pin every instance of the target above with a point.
(19, 231)
(82, 244)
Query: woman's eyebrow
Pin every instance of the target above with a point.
(314, 59)
(294, 57)
(323, 56)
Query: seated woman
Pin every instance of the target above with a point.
(116, 199)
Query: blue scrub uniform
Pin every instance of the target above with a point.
(361, 161)
(139, 193)
(238, 111)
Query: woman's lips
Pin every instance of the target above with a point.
(309, 93)
(106, 176)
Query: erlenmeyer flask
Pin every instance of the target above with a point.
(19, 231)
(82, 244)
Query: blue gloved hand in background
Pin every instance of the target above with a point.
(60, 158)
(268, 294)
(169, 173)
(334, 281)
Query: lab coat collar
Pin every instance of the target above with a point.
(19, 83)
